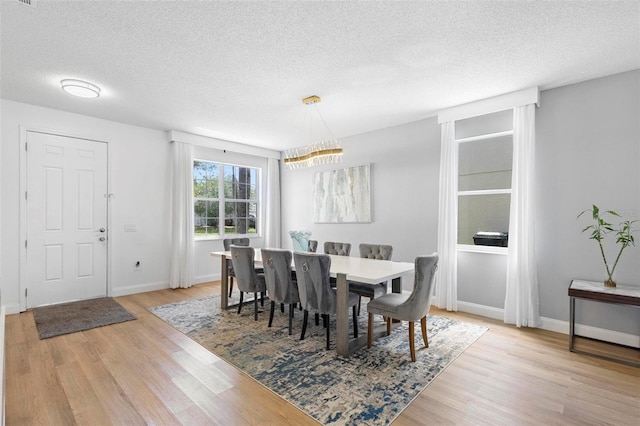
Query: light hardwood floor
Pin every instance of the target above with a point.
(146, 372)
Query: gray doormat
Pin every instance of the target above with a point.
(70, 317)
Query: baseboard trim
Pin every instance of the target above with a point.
(2, 365)
(140, 288)
(160, 285)
(206, 278)
(482, 310)
(558, 326)
(11, 309)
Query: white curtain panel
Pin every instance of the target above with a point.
(522, 305)
(272, 237)
(181, 272)
(447, 275)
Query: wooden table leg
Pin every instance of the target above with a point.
(396, 285)
(344, 344)
(224, 284)
(342, 319)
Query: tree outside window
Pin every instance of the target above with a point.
(225, 200)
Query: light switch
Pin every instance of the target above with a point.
(128, 227)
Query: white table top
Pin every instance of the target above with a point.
(359, 269)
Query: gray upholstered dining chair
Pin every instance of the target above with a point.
(408, 307)
(340, 249)
(249, 280)
(281, 288)
(316, 295)
(371, 291)
(313, 246)
(227, 242)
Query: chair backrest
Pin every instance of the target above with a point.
(243, 265)
(227, 242)
(313, 246)
(419, 302)
(312, 272)
(376, 251)
(341, 249)
(277, 274)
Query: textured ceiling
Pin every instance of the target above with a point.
(238, 70)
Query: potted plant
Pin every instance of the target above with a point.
(600, 228)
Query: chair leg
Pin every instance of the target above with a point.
(370, 330)
(325, 319)
(423, 325)
(230, 286)
(290, 317)
(412, 344)
(255, 306)
(261, 298)
(304, 324)
(273, 307)
(282, 308)
(355, 322)
(317, 319)
(388, 325)
(359, 303)
(240, 304)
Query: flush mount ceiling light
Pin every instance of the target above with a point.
(322, 152)
(80, 88)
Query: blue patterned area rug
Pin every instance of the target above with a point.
(371, 387)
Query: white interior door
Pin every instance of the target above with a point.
(66, 219)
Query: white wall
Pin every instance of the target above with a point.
(588, 151)
(404, 192)
(138, 165)
(139, 170)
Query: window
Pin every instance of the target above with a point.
(225, 200)
(485, 157)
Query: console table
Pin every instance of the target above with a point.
(597, 292)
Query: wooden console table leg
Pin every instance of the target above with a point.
(572, 321)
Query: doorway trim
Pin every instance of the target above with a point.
(22, 300)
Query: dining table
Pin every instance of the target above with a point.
(344, 269)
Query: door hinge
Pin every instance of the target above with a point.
(25, 146)
(25, 195)
(26, 292)
(25, 243)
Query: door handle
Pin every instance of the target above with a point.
(102, 238)
(101, 230)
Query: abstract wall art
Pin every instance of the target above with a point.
(342, 195)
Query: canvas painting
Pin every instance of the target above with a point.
(342, 195)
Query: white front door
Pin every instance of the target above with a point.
(66, 214)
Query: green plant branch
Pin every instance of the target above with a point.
(625, 238)
(604, 258)
(599, 230)
(615, 263)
